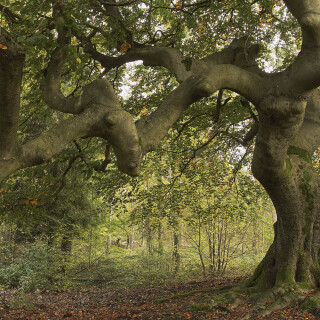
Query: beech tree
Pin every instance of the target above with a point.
(41, 47)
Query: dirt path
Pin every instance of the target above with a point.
(140, 303)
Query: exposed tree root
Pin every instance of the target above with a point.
(276, 298)
(265, 302)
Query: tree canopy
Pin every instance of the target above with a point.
(243, 73)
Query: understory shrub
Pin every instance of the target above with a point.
(133, 270)
(33, 267)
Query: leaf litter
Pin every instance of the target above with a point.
(166, 301)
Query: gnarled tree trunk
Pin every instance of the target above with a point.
(283, 164)
(291, 258)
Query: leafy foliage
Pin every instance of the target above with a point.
(31, 268)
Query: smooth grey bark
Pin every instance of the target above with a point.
(282, 163)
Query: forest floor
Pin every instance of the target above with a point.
(170, 301)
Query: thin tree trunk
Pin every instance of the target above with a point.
(220, 230)
(211, 256)
(131, 240)
(90, 249)
(142, 234)
(176, 251)
(108, 247)
(160, 239)
(199, 248)
(149, 237)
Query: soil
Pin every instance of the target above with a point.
(170, 301)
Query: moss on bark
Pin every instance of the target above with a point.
(304, 154)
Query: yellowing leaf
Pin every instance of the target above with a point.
(3, 47)
(79, 60)
(125, 47)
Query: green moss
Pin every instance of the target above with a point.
(303, 275)
(311, 303)
(304, 154)
(198, 307)
(288, 168)
(187, 63)
(285, 277)
(306, 190)
(305, 285)
(316, 272)
(307, 176)
(296, 295)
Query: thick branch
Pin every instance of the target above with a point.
(307, 12)
(241, 53)
(109, 122)
(11, 65)
(169, 58)
(53, 141)
(152, 129)
(50, 85)
(112, 124)
(103, 117)
(227, 76)
(308, 137)
(304, 73)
